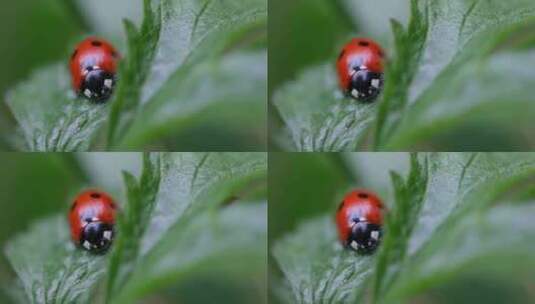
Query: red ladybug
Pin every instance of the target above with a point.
(93, 68)
(360, 69)
(359, 219)
(92, 220)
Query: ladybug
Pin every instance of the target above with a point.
(93, 66)
(359, 219)
(92, 220)
(360, 69)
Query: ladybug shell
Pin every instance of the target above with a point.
(90, 206)
(358, 205)
(358, 53)
(89, 53)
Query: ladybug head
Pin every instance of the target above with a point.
(364, 237)
(365, 85)
(96, 236)
(97, 83)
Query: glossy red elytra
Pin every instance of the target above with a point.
(359, 220)
(92, 220)
(360, 69)
(93, 67)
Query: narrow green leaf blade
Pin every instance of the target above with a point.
(400, 223)
(133, 70)
(133, 221)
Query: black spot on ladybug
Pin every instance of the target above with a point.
(365, 85)
(380, 53)
(96, 43)
(113, 206)
(364, 43)
(364, 237)
(95, 195)
(74, 54)
(341, 205)
(341, 54)
(73, 205)
(363, 195)
(114, 54)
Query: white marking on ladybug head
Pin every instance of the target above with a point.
(87, 93)
(87, 245)
(107, 234)
(355, 93)
(376, 82)
(108, 83)
(375, 235)
(354, 245)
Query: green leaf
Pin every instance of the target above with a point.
(400, 222)
(193, 82)
(491, 100)
(484, 240)
(50, 268)
(400, 71)
(176, 188)
(133, 221)
(50, 117)
(230, 242)
(463, 79)
(317, 115)
(459, 182)
(207, 94)
(317, 268)
(133, 70)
